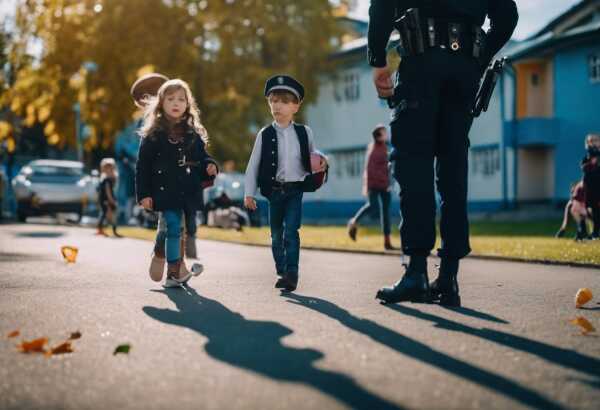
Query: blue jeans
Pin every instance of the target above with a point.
(378, 205)
(172, 219)
(161, 233)
(285, 217)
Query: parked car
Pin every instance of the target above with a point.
(44, 187)
(232, 185)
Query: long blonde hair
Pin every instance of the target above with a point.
(154, 116)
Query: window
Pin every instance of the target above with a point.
(485, 161)
(594, 63)
(347, 87)
(348, 163)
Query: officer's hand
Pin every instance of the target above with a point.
(382, 79)
(211, 169)
(146, 203)
(250, 203)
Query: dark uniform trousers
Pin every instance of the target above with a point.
(430, 126)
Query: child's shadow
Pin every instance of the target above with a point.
(256, 345)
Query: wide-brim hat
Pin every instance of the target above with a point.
(147, 86)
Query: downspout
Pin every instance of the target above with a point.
(513, 139)
(503, 146)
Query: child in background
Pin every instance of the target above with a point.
(576, 208)
(172, 165)
(106, 196)
(590, 165)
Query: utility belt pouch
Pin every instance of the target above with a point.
(405, 35)
(414, 25)
(478, 41)
(454, 36)
(431, 32)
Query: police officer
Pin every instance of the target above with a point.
(444, 53)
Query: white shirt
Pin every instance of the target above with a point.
(289, 157)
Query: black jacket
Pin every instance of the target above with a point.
(159, 174)
(382, 14)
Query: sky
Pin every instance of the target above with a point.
(534, 14)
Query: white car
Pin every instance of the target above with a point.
(46, 186)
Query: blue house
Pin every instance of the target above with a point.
(525, 149)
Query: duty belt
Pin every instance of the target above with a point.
(417, 34)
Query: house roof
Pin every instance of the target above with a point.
(564, 17)
(549, 40)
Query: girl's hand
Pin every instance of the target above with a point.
(211, 169)
(146, 203)
(250, 203)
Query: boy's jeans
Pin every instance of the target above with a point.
(285, 217)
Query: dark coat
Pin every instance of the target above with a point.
(160, 176)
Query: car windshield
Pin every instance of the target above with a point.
(57, 171)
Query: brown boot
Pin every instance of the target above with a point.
(172, 280)
(183, 270)
(352, 229)
(157, 265)
(387, 243)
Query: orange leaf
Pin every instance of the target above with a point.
(60, 349)
(69, 253)
(33, 346)
(75, 335)
(582, 297)
(14, 333)
(584, 324)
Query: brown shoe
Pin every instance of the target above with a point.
(352, 229)
(387, 243)
(157, 267)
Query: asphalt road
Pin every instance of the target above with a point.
(232, 341)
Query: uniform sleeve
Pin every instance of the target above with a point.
(251, 178)
(503, 16)
(143, 170)
(381, 24)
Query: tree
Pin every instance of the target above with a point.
(225, 49)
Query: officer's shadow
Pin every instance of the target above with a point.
(556, 355)
(419, 351)
(256, 345)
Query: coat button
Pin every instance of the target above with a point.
(160, 171)
(273, 178)
(162, 188)
(272, 152)
(273, 140)
(273, 164)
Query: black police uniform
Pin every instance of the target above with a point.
(442, 63)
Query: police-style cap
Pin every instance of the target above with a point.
(284, 82)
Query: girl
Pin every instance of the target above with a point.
(106, 196)
(590, 165)
(172, 165)
(376, 186)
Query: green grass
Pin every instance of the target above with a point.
(528, 241)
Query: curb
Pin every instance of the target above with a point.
(399, 253)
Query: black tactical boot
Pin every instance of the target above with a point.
(413, 287)
(445, 288)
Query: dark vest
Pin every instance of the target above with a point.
(267, 170)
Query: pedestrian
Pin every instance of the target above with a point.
(106, 196)
(280, 165)
(444, 52)
(577, 209)
(172, 165)
(591, 180)
(376, 185)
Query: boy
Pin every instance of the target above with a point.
(279, 166)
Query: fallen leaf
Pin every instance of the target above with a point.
(60, 349)
(14, 333)
(75, 335)
(69, 253)
(33, 346)
(583, 296)
(122, 349)
(584, 324)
